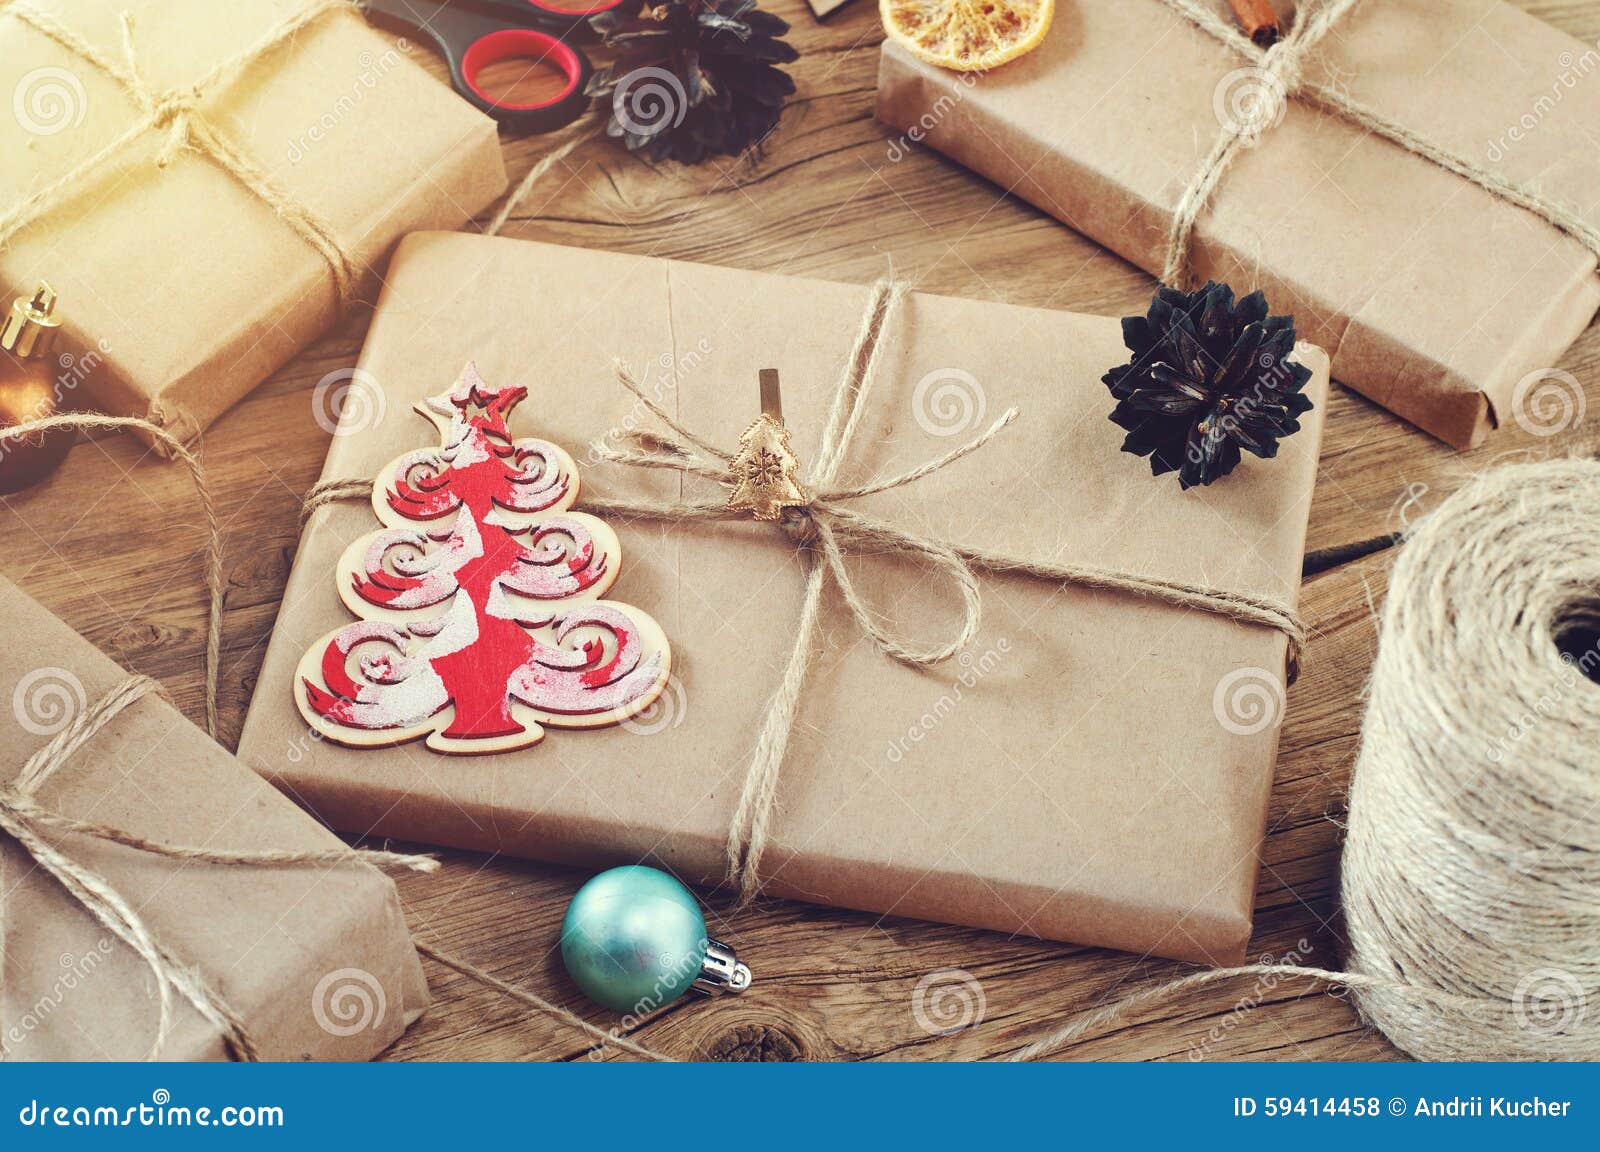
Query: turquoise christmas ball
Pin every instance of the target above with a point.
(634, 939)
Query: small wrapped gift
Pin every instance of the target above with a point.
(208, 185)
(1075, 770)
(1439, 285)
(133, 845)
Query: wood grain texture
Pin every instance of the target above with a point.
(102, 546)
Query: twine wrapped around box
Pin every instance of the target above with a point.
(178, 114)
(825, 532)
(1283, 73)
(24, 820)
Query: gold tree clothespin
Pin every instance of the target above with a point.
(765, 473)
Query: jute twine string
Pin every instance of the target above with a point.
(178, 114)
(1471, 867)
(825, 532)
(26, 821)
(1284, 65)
(98, 422)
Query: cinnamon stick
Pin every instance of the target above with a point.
(1259, 20)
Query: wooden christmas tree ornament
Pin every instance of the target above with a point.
(765, 473)
(481, 618)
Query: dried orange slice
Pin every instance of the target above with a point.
(967, 35)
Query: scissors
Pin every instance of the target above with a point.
(478, 33)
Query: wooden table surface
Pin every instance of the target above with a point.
(98, 546)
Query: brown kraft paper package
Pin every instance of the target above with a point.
(1435, 298)
(315, 960)
(1073, 774)
(180, 289)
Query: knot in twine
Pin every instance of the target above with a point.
(30, 824)
(1281, 75)
(174, 112)
(1471, 866)
(825, 532)
(177, 114)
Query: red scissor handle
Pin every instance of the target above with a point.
(537, 48)
(472, 37)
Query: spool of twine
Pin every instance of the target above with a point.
(1471, 868)
(1472, 864)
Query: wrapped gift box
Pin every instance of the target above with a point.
(180, 288)
(1435, 298)
(1068, 775)
(315, 960)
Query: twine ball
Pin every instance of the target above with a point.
(1471, 872)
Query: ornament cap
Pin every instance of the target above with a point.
(30, 327)
(722, 970)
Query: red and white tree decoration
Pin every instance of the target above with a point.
(481, 618)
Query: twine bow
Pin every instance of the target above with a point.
(1283, 77)
(178, 114)
(825, 532)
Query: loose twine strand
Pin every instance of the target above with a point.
(825, 533)
(1472, 857)
(24, 820)
(1284, 64)
(178, 114)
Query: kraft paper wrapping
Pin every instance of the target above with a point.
(317, 961)
(180, 289)
(1434, 298)
(1067, 776)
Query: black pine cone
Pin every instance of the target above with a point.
(694, 78)
(1208, 377)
